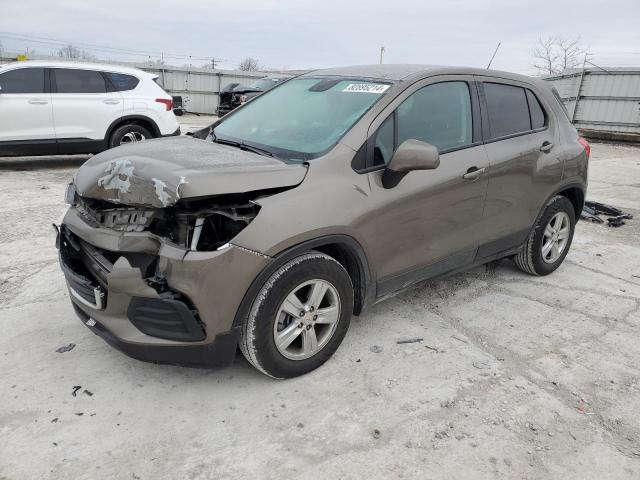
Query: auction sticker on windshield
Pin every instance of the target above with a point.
(366, 88)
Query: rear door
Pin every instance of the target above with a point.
(83, 106)
(26, 116)
(521, 138)
(431, 222)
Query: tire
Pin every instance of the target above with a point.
(267, 319)
(128, 131)
(534, 258)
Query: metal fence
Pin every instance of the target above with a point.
(198, 87)
(602, 103)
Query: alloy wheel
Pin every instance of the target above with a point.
(555, 237)
(131, 137)
(307, 319)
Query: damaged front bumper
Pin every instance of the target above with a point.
(154, 300)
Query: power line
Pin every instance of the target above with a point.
(103, 48)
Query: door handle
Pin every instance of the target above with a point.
(473, 173)
(35, 101)
(546, 147)
(111, 102)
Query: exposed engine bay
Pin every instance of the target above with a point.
(205, 224)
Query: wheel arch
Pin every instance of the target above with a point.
(342, 248)
(140, 120)
(575, 194)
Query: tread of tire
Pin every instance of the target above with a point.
(524, 258)
(246, 333)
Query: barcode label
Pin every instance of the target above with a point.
(366, 88)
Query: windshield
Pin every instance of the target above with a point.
(302, 118)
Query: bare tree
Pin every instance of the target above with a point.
(249, 64)
(72, 52)
(553, 55)
(571, 53)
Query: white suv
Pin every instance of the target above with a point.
(49, 108)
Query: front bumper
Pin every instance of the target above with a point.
(153, 300)
(217, 354)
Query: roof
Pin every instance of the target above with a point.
(400, 72)
(73, 64)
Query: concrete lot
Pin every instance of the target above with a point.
(517, 377)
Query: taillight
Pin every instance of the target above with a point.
(585, 144)
(167, 102)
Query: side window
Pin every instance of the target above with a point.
(384, 142)
(538, 118)
(70, 80)
(122, 82)
(22, 80)
(507, 109)
(439, 114)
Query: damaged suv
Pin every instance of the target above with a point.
(324, 195)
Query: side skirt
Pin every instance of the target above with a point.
(456, 263)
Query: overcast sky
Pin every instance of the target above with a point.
(321, 33)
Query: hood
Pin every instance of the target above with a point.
(157, 173)
(246, 89)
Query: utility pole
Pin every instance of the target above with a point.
(382, 50)
(213, 64)
(494, 55)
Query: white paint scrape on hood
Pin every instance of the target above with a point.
(158, 173)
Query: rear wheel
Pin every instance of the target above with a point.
(130, 133)
(299, 318)
(550, 239)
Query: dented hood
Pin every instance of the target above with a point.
(157, 173)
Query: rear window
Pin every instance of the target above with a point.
(122, 82)
(79, 81)
(22, 80)
(562, 105)
(507, 109)
(536, 111)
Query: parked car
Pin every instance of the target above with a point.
(270, 231)
(236, 94)
(53, 108)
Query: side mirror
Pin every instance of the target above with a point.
(410, 155)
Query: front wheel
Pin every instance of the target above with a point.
(299, 318)
(549, 241)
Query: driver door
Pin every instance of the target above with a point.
(431, 222)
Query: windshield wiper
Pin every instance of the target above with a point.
(244, 146)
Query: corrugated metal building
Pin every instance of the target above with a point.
(602, 103)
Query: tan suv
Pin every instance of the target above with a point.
(317, 199)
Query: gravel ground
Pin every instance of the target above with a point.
(516, 376)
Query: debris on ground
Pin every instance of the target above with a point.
(87, 392)
(410, 340)
(481, 365)
(592, 211)
(375, 348)
(75, 389)
(376, 433)
(68, 348)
